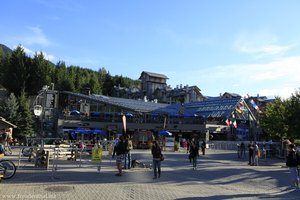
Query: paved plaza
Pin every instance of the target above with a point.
(220, 175)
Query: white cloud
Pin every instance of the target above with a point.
(279, 77)
(35, 36)
(260, 44)
(284, 92)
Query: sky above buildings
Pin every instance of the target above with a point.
(245, 47)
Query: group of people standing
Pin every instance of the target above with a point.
(124, 145)
(122, 153)
(254, 153)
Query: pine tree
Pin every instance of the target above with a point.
(17, 73)
(25, 128)
(9, 109)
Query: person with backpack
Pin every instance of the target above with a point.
(292, 161)
(120, 151)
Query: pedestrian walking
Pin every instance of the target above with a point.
(292, 161)
(203, 147)
(188, 146)
(129, 146)
(256, 154)
(157, 155)
(243, 150)
(119, 151)
(251, 153)
(194, 153)
(238, 150)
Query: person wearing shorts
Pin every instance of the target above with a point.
(119, 152)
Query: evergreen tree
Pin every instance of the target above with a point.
(9, 109)
(101, 79)
(94, 84)
(16, 75)
(40, 74)
(25, 124)
(108, 85)
(60, 76)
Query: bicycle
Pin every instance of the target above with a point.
(7, 169)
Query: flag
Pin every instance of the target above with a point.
(241, 105)
(234, 124)
(238, 109)
(254, 105)
(233, 120)
(228, 122)
(233, 115)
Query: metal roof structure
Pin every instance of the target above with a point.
(129, 104)
(212, 108)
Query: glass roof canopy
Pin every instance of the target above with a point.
(211, 108)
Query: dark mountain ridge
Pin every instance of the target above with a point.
(5, 49)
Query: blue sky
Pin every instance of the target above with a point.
(245, 47)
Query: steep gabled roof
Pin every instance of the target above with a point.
(154, 75)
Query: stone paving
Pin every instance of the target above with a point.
(220, 175)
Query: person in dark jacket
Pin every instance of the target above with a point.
(203, 147)
(292, 161)
(251, 153)
(156, 153)
(194, 152)
(120, 151)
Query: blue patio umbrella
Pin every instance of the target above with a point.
(129, 115)
(75, 112)
(165, 133)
